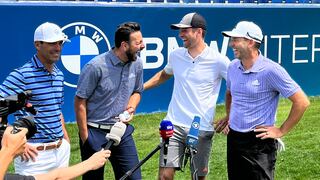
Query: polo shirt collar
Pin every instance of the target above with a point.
(115, 60)
(38, 64)
(204, 53)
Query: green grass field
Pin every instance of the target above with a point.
(301, 160)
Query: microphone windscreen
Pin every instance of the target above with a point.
(116, 132)
(115, 138)
(192, 137)
(194, 129)
(166, 129)
(166, 125)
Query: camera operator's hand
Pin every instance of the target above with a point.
(30, 152)
(14, 143)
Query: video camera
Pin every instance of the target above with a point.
(12, 104)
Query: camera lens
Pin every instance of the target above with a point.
(26, 122)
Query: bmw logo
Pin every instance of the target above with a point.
(87, 41)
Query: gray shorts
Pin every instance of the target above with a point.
(177, 147)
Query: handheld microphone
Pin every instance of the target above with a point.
(166, 131)
(192, 137)
(116, 132)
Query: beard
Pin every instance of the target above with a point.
(132, 56)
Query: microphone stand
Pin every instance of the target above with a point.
(191, 152)
(131, 171)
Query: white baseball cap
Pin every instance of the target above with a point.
(246, 29)
(49, 32)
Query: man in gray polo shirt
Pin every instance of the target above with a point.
(108, 85)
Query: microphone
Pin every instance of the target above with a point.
(192, 137)
(116, 132)
(166, 131)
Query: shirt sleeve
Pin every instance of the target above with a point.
(139, 80)
(13, 84)
(224, 67)
(168, 68)
(281, 81)
(88, 81)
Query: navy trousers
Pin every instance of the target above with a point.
(123, 157)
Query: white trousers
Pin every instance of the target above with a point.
(45, 161)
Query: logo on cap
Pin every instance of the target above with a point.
(87, 41)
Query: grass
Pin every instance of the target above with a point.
(299, 161)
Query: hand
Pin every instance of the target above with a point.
(268, 132)
(222, 125)
(30, 152)
(131, 111)
(98, 159)
(67, 139)
(14, 143)
(83, 136)
(226, 130)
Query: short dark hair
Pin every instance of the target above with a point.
(204, 32)
(123, 32)
(257, 45)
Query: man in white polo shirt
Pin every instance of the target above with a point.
(198, 71)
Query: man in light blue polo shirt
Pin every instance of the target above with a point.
(254, 84)
(49, 148)
(108, 85)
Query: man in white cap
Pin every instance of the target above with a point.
(49, 148)
(198, 71)
(254, 85)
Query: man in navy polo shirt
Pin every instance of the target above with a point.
(49, 148)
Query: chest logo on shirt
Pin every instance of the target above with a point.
(256, 83)
(87, 41)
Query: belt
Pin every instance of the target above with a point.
(49, 146)
(100, 126)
